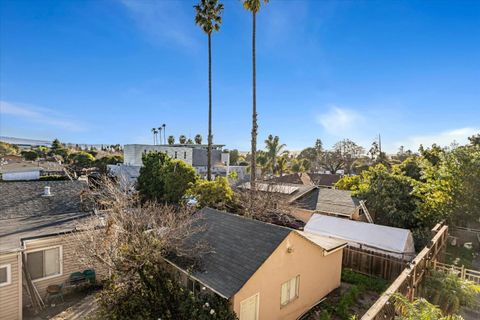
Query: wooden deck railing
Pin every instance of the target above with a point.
(410, 278)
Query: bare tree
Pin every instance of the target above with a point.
(125, 234)
(268, 205)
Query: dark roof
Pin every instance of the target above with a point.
(295, 178)
(324, 179)
(13, 230)
(26, 213)
(25, 198)
(329, 201)
(237, 248)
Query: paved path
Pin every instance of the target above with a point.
(81, 310)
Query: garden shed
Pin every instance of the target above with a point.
(392, 241)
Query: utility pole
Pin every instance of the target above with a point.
(379, 143)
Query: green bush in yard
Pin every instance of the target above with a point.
(371, 283)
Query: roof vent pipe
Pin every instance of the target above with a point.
(46, 191)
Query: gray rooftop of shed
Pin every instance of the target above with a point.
(237, 248)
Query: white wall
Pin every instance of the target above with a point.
(25, 175)
(133, 153)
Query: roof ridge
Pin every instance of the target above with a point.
(246, 218)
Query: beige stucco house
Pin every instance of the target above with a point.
(266, 271)
(33, 229)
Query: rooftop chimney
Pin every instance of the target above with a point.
(46, 191)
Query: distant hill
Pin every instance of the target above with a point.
(25, 142)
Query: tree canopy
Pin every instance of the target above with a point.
(163, 179)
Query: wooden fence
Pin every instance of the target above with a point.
(409, 280)
(372, 263)
(462, 272)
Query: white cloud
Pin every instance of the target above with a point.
(38, 115)
(340, 121)
(443, 139)
(163, 21)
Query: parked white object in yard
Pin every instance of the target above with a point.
(395, 242)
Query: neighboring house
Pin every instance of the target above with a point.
(327, 201)
(287, 191)
(395, 242)
(12, 170)
(34, 217)
(265, 271)
(325, 179)
(317, 179)
(294, 178)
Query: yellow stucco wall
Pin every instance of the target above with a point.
(319, 275)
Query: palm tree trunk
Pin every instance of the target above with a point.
(209, 152)
(254, 113)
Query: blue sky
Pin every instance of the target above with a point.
(108, 71)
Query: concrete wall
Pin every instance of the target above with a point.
(10, 295)
(133, 153)
(319, 275)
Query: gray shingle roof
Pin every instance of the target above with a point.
(239, 246)
(26, 213)
(324, 179)
(24, 198)
(296, 178)
(331, 201)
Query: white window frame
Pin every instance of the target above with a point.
(9, 274)
(297, 291)
(60, 259)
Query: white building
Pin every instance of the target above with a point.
(195, 155)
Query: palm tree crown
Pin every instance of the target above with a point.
(209, 15)
(253, 5)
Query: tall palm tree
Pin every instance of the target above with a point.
(154, 131)
(160, 135)
(274, 150)
(208, 18)
(164, 134)
(198, 139)
(182, 139)
(253, 6)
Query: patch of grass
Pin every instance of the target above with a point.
(364, 282)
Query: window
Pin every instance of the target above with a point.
(184, 155)
(290, 291)
(44, 263)
(175, 154)
(5, 275)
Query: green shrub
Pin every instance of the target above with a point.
(29, 155)
(371, 283)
